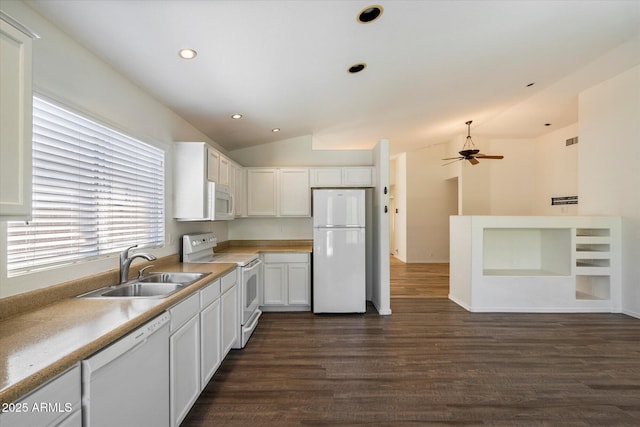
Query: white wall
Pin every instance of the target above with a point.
(475, 182)
(399, 249)
(532, 171)
(70, 74)
(513, 180)
(609, 167)
(430, 199)
(298, 152)
(271, 229)
(381, 281)
(556, 171)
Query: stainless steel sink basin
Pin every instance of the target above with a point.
(147, 290)
(172, 277)
(154, 285)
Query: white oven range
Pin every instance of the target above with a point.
(198, 248)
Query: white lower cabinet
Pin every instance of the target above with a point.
(229, 312)
(184, 358)
(286, 282)
(210, 336)
(203, 328)
(56, 403)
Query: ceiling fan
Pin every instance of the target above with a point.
(469, 150)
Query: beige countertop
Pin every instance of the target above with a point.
(257, 246)
(37, 345)
(41, 339)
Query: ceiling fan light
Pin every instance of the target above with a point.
(469, 151)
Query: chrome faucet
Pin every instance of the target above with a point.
(125, 262)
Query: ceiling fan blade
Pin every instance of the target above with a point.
(457, 159)
(473, 160)
(483, 156)
(452, 158)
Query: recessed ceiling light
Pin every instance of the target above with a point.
(275, 130)
(236, 116)
(356, 68)
(369, 14)
(187, 53)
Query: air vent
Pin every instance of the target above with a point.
(572, 141)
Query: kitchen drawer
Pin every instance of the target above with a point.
(184, 310)
(229, 280)
(277, 257)
(210, 293)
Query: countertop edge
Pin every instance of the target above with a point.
(28, 384)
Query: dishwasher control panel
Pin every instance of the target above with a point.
(156, 323)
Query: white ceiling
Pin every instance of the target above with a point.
(431, 65)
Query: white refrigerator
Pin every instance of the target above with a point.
(339, 251)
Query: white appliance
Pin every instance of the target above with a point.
(127, 383)
(339, 251)
(198, 248)
(221, 204)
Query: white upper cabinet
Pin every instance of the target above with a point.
(357, 176)
(192, 168)
(262, 192)
(295, 194)
(223, 171)
(326, 177)
(213, 165)
(240, 191)
(351, 176)
(15, 123)
(278, 192)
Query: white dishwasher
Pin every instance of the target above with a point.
(127, 383)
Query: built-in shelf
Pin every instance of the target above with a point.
(592, 247)
(535, 263)
(593, 287)
(527, 252)
(520, 272)
(592, 262)
(593, 232)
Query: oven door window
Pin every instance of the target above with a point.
(250, 297)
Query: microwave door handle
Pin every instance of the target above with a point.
(232, 209)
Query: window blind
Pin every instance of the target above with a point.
(95, 191)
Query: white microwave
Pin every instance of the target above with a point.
(221, 205)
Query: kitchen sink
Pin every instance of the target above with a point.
(154, 285)
(148, 290)
(172, 277)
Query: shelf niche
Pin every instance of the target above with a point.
(593, 288)
(527, 251)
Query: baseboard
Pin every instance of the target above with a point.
(631, 313)
(460, 303)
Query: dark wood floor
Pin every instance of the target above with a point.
(429, 363)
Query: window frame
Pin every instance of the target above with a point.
(102, 252)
